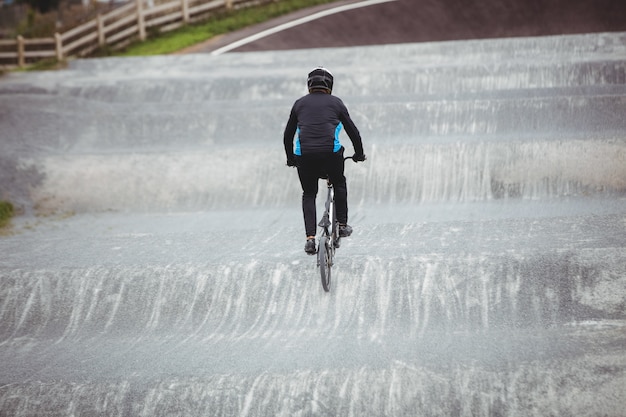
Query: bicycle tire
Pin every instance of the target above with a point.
(325, 262)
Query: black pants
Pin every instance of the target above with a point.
(310, 169)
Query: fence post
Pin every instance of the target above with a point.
(185, 7)
(140, 20)
(58, 46)
(20, 51)
(100, 21)
(229, 4)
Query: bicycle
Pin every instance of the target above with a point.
(329, 239)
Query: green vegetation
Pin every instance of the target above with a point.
(6, 213)
(221, 23)
(43, 65)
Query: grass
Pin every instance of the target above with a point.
(186, 36)
(44, 64)
(6, 213)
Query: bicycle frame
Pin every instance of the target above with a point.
(329, 218)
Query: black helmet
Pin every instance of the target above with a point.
(321, 78)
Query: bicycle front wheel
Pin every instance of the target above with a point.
(325, 262)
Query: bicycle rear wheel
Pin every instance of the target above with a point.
(325, 262)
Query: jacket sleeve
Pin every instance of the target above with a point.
(352, 131)
(290, 131)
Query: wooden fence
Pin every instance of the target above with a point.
(115, 29)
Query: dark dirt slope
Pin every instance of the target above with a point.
(439, 20)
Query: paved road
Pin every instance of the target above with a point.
(398, 21)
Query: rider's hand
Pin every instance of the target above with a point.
(291, 161)
(359, 157)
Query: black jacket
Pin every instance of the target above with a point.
(316, 119)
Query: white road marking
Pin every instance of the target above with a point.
(294, 23)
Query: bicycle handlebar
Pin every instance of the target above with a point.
(354, 160)
(325, 176)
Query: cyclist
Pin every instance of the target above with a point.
(316, 120)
